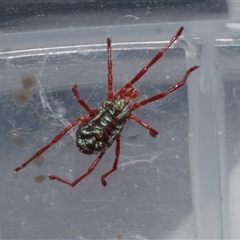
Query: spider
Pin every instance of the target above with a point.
(102, 126)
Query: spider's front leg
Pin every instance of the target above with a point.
(144, 70)
(110, 76)
(164, 94)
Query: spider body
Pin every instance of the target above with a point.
(99, 133)
(102, 126)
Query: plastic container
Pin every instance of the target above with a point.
(182, 184)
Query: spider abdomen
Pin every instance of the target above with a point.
(98, 134)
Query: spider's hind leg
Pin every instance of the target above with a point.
(54, 140)
(115, 163)
(74, 183)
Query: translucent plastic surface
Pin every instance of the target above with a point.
(181, 184)
(228, 130)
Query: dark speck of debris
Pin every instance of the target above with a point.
(39, 161)
(28, 80)
(21, 97)
(119, 236)
(18, 140)
(40, 178)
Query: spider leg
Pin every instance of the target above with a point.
(110, 77)
(81, 101)
(115, 163)
(132, 93)
(74, 183)
(54, 140)
(164, 94)
(152, 131)
(149, 65)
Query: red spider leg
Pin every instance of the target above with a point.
(110, 77)
(81, 101)
(115, 163)
(164, 94)
(54, 140)
(152, 131)
(74, 183)
(153, 61)
(132, 93)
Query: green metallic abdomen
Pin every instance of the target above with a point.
(98, 134)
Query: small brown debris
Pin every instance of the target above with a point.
(39, 161)
(21, 97)
(40, 178)
(28, 80)
(18, 140)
